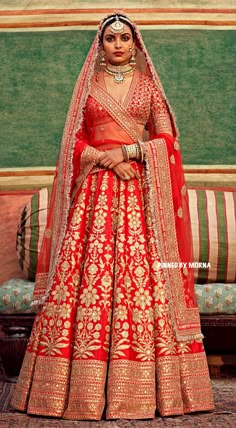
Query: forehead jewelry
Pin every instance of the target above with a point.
(117, 26)
(111, 18)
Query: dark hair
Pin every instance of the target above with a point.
(112, 18)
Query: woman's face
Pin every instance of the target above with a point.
(118, 47)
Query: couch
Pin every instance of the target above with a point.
(212, 211)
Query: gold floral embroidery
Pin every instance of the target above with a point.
(183, 190)
(176, 145)
(180, 212)
(110, 300)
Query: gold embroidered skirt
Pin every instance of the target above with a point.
(103, 343)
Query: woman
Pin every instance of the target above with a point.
(118, 331)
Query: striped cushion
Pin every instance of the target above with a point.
(30, 232)
(212, 215)
(213, 222)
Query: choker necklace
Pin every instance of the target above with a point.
(118, 71)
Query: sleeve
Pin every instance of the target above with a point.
(83, 152)
(84, 156)
(160, 121)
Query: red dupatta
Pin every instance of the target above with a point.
(167, 195)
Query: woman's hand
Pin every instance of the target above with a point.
(125, 171)
(111, 158)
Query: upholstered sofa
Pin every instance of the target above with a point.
(212, 213)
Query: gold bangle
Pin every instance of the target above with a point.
(133, 151)
(141, 150)
(125, 153)
(138, 152)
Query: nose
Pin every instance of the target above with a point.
(118, 43)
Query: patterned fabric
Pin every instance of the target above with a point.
(30, 232)
(214, 235)
(110, 328)
(63, 182)
(216, 298)
(104, 336)
(16, 297)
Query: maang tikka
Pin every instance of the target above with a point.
(117, 26)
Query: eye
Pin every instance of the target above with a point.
(109, 39)
(126, 37)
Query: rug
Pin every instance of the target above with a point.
(224, 389)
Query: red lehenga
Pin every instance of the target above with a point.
(117, 332)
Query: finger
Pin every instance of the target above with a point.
(126, 177)
(102, 162)
(103, 156)
(131, 172)
(107, 164)
(135, 173)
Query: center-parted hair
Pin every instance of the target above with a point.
(112, 18)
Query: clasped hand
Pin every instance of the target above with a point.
(114, 159)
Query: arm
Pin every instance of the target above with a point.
(83, 152)
(160, 119)
(84, 156)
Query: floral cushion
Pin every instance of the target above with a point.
(16, 297)
(216, 298)
(30, 232)
(212, 215)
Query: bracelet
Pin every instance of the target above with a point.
(125, 153)
(138, 152)
(141, 150)
(132, 151)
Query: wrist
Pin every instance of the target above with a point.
(125, 153)
(99, 156)
(132, 151)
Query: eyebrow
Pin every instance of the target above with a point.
(123, 34)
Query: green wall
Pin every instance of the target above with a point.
(39, 69)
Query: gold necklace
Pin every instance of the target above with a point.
(118, 71)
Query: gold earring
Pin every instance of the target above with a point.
(102, 59)
(132, 60)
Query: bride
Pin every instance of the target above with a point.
(117, 334)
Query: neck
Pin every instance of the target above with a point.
(119, 67)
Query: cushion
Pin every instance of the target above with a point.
(212, 215)
(11, 202)
(216, 298)
(16, 296)
(30, 232)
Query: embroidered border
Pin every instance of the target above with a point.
(183, 384)
(116, 110)
(186, 321)
(131, 390)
